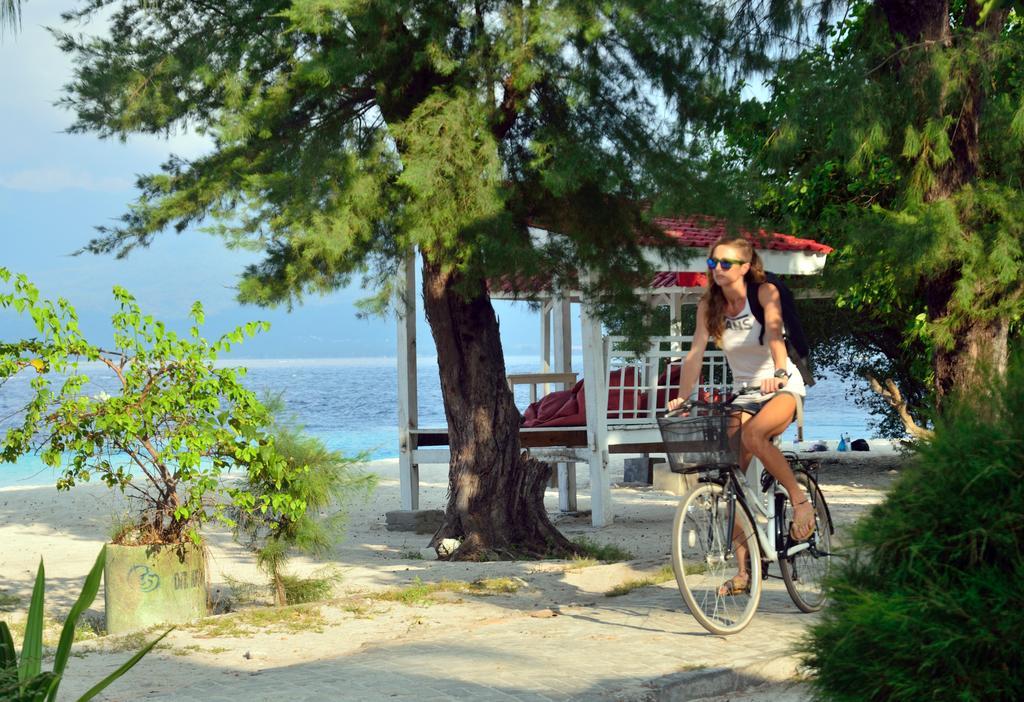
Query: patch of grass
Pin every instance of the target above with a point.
(601, 552)
(662, 576)
(581, 562)
(494, 586)
(299, 590)
(8, 602)
(359, 610)
(132, 642)
(193, 648)
(421, 593)
(411, 555)
(290, 620)
(186, 650)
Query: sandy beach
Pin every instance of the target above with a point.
(68, 529)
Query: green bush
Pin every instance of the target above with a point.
(176, 422)
(928, 606)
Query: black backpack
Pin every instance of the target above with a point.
(796, 342)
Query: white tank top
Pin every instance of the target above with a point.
(749, 360)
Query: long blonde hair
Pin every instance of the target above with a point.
(714, 298)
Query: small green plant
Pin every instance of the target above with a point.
(299, 589)
(601, 552)
(315, 476)
(662, 576)
(24, 680)
(173, 425)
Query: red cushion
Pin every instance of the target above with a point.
(551, 407)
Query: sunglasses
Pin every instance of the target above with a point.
(725, 263)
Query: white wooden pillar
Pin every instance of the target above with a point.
(595, 379)
(546, 310)
(408, 406)
(675, 311)
(560, 310)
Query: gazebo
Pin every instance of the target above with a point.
(635, 388)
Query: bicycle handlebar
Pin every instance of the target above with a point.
(691, 404)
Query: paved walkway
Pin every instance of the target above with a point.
(527, 647)
(557, 638)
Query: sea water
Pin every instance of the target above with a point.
(351, 403)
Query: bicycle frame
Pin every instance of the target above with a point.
(761, 505)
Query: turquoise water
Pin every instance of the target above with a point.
(351, 404)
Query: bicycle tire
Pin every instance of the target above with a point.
(805, 572)
(703, 559)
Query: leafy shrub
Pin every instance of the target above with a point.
(317, 477)
(174, 424)
(928, 605)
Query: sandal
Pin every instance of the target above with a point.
(809, 526)
(738, 584)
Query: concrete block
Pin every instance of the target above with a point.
(675, 483)
(420, 521)
(639, 470)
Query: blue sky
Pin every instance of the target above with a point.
(56, 187)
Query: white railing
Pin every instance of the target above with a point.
(639, 387)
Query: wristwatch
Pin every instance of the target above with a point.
(781, 374)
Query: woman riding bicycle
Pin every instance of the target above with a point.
(724, 315)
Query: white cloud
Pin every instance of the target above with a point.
(50, 180)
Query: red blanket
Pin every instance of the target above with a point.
(568, 408)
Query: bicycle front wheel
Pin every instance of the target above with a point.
(712, 535)
(804, 572)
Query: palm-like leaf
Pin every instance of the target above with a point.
(32, 645)
(25, 682)
(10, 15)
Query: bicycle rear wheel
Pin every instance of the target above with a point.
(804, 573)
(704, 558)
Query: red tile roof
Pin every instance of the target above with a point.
(696, 231)
(702, 232)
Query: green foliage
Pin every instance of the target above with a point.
(175, 424)
(928, 605)
(866, 144)
(315, 476)
(25, 681)
(347, 132)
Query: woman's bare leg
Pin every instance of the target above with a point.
(757, 436)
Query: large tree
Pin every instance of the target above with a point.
(347, 132)
(900, 143)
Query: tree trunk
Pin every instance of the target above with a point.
(977, 344)
(495, 492)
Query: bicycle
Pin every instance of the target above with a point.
(730, 508)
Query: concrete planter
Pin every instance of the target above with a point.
(147, 585)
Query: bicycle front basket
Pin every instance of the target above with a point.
(701, 443)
